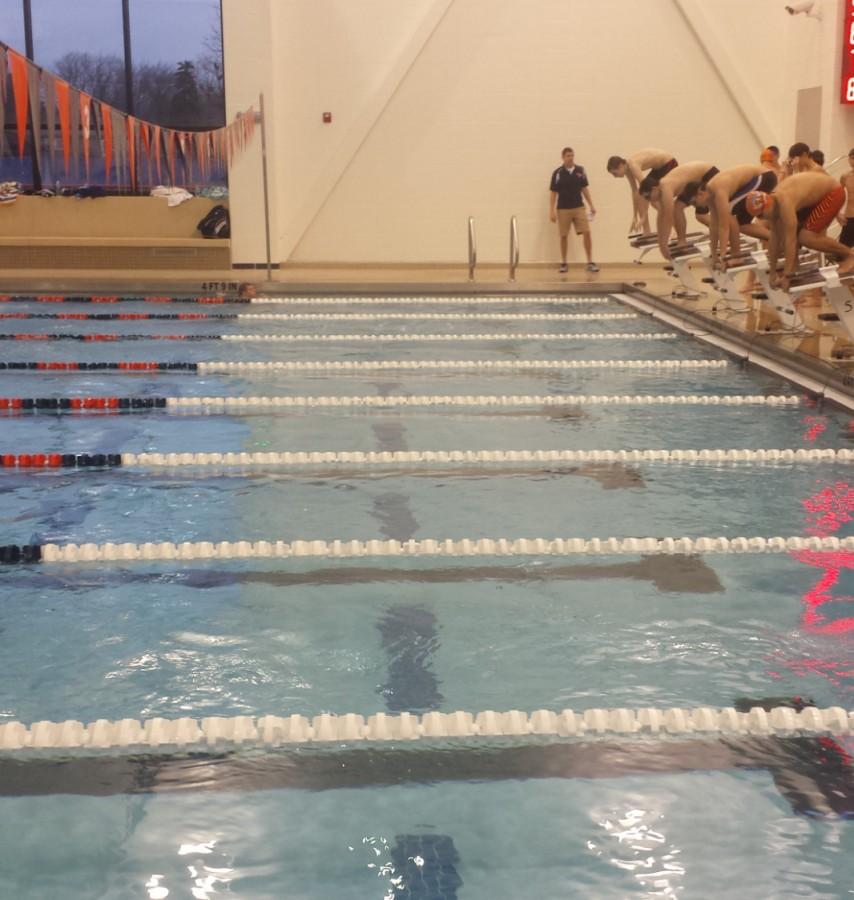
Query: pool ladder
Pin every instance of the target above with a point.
(472, 249)
(514, 248)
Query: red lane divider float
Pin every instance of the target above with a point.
(125, 317)
(99, 366)
(59, 460)
(64, 404)
(8, 298)
(110, 337)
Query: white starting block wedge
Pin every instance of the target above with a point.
(681, 258)
(837, 290)
(779, 301)
(644, 243)
(647, 242)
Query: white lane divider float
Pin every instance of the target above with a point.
(269, 732)
(478, 457)
(429, 547)
(373, 401)
(451, 337)
(489, 365)
(361, 316)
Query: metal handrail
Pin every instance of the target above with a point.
(514, 248)
(472, 249)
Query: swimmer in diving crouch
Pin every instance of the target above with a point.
(725, 195)
(799, 212)
(671, 201)
(657, 163)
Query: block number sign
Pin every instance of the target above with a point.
(848, 55)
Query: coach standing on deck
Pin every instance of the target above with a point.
(568, 191)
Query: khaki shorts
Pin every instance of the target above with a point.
(577, 216)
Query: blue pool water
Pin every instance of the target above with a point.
(228, 638)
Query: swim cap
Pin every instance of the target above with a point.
(767, 156)
(757, 202)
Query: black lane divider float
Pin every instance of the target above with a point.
(100, 366)
(119, 299)
(124, 317)
(110, 337)
(12, 554)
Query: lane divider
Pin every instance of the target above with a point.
(409, 457)
(334, 338)
(222, 366)
(99, 366)
(123, 317)
(43, 298)
(304, 317)
(429, 547)
(314, 301)
(451, 337)
(353, 317)
(374, 401)
(246, 732)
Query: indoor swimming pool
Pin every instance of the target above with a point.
(421, 393)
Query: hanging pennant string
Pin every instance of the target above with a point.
(116, 133)
(63, 101)
(34, 90)
(20, 88)
(3, 98)
(107, 125)
(131, 129)
(86, 127)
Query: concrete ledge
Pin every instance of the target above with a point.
(111, 242)
(111, 253)
(106, 217)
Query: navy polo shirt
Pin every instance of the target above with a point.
(568, 185)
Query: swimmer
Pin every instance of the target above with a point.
(657, 163)
(769, 159)
(725, 195)
(799, 212)
(800, 159)
(846, 219)
(668, 195)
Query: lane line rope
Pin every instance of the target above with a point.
(333, 338)
(375, 401)
(318, 300)
(246, 732)
(308, 317)
(429, 547)
(409, 457)
(225, 367)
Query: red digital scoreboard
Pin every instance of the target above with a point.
(848, 55)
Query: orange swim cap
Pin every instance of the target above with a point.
(757, 202)
(767, 156)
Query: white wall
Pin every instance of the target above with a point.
(448, 108)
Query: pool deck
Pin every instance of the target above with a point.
(821, 341)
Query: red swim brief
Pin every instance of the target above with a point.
(824, 212)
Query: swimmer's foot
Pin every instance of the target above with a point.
(847, 264)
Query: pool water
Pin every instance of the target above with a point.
(669, 818)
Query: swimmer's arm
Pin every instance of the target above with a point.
(773, 248)
(665, 220)
(789, 227)
(720, 207)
